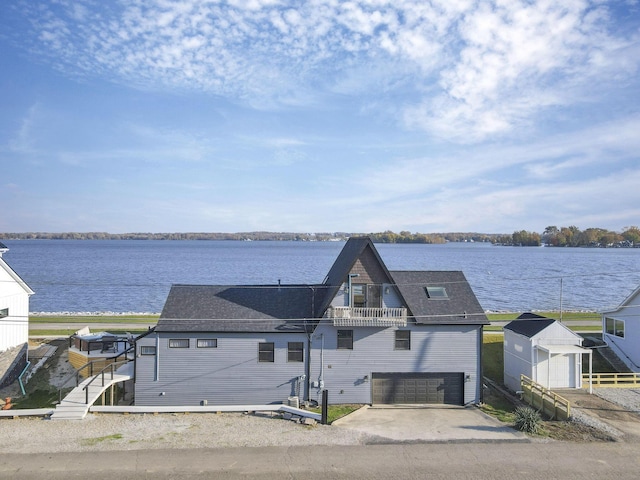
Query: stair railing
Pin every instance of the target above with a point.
(100, 374)
(76, 375)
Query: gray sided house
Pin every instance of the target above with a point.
(366, 334)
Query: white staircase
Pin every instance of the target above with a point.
(75, 405)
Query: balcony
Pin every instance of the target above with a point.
(367, 317)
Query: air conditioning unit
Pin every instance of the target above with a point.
(293, 402)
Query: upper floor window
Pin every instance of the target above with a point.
(147, 350)
(614, 326)
(345, 339)
(266, 352)
(403, 340)
(4, 312)
(359, 295)
(207, 343)
(178, 343)
(436, 293)
(295, 352)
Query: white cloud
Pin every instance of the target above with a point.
(476, 70)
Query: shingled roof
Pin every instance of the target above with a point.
(528, 324)
(237, 308)
(460, 306)
(286, 308)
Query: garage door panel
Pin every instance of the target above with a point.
(389, 388)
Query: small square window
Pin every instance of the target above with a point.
(179, 343)
(147, 350)
(4, 312)
(436, 293)
(295, 352)
(610, 326)
(345, 339)
(207, 343)
(266, 352)
(403, 340)
(614, 326)
(620, 328)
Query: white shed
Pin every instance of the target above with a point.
(14, 306)
(544, 350)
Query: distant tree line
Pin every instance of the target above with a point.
(168, 236)
(553, 236)
(383, 237)
(574, 237)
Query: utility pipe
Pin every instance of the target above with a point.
(20, 377)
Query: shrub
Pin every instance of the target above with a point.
(527, 420)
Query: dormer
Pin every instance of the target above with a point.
(360, 290)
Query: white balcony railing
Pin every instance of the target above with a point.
(367, 317)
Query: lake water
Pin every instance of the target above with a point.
(135, 276)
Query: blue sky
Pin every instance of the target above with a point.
(315, 116)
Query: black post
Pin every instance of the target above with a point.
(325, 401)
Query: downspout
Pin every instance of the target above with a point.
(480, 380)
(321, 379)
(306, 329)
(157, 358)
(307, 369)
(20, 377)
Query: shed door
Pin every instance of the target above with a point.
(408, 388)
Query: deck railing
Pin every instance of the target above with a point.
(87, 369)
(612, 380)
(367, 316)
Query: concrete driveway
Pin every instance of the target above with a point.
(432, 423)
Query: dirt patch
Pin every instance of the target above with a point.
(574, 432)
(47, 379)
(598, 407)
(501, 403)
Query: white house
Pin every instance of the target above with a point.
(14, 316)
(544, 350)
(621, 330)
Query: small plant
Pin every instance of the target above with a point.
(96, 440)
(527, 420)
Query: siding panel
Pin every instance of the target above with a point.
(14, 328)
(436, 348)
(189, 376)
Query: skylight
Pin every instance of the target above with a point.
(436, 293)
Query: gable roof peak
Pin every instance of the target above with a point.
(353, 249)
(529, 324)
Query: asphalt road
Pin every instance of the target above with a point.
(532, 461)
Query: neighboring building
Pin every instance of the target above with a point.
(544, 350)
(621, 330)
(366, 334)
(14, 321)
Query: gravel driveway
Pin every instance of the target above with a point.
(145, 431)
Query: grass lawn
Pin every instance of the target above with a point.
(566, 316)
(334, 412)
(492, 357)
(498, 406)
(145, 319)
(66, 332)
